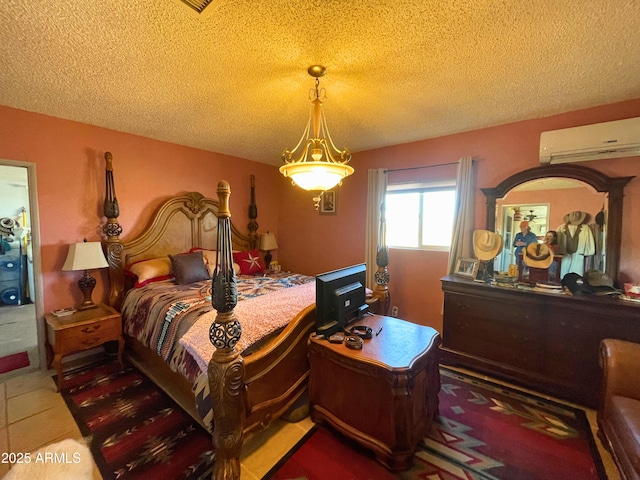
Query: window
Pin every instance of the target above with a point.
(420, 217)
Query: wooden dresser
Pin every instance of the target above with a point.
(548, 342)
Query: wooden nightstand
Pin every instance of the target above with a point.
(82, 330)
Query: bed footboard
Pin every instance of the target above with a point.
(277, 375)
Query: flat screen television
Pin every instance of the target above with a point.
(340, 298)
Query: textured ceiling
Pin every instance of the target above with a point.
(233, 80)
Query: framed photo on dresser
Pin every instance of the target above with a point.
(467, 267)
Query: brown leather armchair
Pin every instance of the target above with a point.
(619, 414)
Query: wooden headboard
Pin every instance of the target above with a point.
(179, 224)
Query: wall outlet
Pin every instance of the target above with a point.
(394, 311)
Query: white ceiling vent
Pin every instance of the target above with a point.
(620, 138)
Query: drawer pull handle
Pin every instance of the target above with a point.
(89, 343)
(90, 329)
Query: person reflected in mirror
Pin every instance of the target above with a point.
(551, 239)
(523, 238)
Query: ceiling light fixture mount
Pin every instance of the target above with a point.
(315, 163)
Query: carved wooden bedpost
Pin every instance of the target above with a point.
(253, 215)
(381, 290)
(112, 231)
(226, 368)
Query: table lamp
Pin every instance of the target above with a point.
(268, 242)
(85, 256)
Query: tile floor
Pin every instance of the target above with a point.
(32, 415)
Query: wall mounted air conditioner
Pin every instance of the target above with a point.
(620, 138)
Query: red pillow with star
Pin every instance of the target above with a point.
(250, 262)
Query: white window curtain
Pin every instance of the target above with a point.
(375, 229)
(464, 224)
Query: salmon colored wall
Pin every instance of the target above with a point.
(70, 170)
(311, 243)
(69, 158)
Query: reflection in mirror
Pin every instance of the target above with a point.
(545, 204)
(519, 218)
(611, 188)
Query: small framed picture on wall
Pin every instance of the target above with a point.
(328, 203)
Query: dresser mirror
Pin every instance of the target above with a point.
(561, 189)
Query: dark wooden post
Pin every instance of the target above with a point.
(253, 215)
(226, 368)
(112, 231)
(381, 276)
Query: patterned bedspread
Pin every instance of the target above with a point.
(159, 314)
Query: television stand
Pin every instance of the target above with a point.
(383, 396)
(328, 329)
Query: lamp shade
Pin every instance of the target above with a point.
(268, 241)
(318, 176)
(85, 256)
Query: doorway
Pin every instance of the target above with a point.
(509, 225)
(21, 303)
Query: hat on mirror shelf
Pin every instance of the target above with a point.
(601, 283)
(486, 245)
(576, 284)
(537, 255)
(597, 278)
(576, 217)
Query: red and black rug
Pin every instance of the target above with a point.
(134, 430)
(14, 362)
(483, 431)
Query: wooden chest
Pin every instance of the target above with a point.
(383, 396)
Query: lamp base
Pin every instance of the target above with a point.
(267, 258)
(87, 306)
(87, 283)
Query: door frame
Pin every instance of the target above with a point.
(34, 217)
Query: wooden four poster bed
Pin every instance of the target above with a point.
(247, 387)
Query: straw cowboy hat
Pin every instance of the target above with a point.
(575, 218)
(537, 255)
(486, 244)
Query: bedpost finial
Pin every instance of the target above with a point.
(109, 158)
(224, 191)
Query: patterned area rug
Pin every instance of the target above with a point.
(483, 431)
(135, 431)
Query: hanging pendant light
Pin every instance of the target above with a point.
(315, 163)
